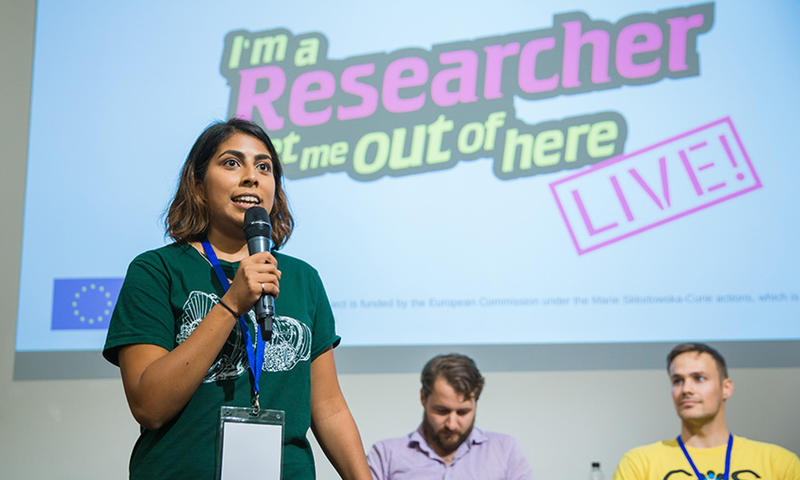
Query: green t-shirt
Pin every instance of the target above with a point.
(166, 294)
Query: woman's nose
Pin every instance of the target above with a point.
(249, 176)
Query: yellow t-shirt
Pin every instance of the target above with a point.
(750, 460)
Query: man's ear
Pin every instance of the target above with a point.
(727, 388)
(422, 397)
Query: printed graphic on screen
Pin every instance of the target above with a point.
(584, 172)
(454, 102)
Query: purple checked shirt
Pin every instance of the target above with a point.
(482, 456)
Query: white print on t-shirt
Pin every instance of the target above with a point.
(290, 343)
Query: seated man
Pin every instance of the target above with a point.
(705, 449)
(446, 444)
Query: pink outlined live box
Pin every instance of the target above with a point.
(635, 192)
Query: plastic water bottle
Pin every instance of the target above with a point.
(595, 473)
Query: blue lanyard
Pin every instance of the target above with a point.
(726, 474)
(252, 357)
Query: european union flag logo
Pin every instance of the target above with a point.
(84, 303)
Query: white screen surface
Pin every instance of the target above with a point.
(484, 247)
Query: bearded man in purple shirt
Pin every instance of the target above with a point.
(447, 445)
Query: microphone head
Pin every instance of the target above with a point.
(256, 223)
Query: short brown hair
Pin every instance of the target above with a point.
(699, 348)
(187, 219)
(458, 370)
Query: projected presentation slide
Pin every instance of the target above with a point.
(459, 172)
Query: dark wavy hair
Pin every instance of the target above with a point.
(459, 371)
(187, 219)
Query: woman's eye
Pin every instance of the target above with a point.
(230, 162)
(267, 167)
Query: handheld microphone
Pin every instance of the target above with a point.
(258, 231)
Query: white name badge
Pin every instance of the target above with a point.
(251, 444)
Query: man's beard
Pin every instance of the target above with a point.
(444, 440)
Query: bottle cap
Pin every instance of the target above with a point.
(595, 464)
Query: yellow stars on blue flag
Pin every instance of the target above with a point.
(84, 303)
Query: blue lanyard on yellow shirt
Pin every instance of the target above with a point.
(726, 474)
(255, 359)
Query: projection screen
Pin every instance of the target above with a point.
(513, 175)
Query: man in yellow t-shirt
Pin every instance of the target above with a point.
(705, 449)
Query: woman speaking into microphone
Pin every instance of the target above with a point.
(185, 336)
